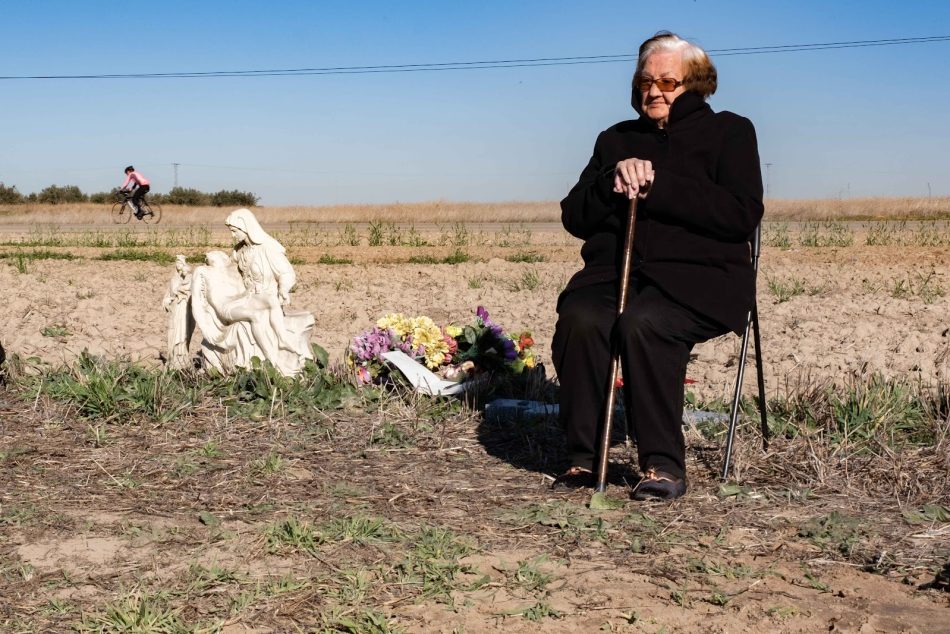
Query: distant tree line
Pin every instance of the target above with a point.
(57, 195)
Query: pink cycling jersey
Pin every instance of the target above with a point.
(140, 180)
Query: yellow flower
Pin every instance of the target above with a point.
(453, 331)
(397, 322)
(426, 333)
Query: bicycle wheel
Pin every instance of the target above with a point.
(153, 212)
(121, 213)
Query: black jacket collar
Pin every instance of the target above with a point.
(684, 107)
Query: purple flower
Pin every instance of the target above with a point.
(482, 314)
(508, 350)
(370, 344)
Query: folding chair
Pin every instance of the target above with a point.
(751, 323)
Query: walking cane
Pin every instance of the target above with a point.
(615, 353)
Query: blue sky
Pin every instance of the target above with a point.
(834, 123)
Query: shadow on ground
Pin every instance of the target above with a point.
(531, 438)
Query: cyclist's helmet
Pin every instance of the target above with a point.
(129, 169)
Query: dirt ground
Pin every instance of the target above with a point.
(824, 311)
(187, 515)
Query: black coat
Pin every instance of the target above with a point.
(693, 230)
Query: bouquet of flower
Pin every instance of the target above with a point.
(451, 351)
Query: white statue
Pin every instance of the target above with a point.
(239, 303)
(181, 323)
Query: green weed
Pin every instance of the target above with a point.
(923, 286)
(432, 564)
(210, 450)
(563, 516)
(413, 238)
(511, 237)
(55, 330)
(929, 514)
(292, 535)
(38, 255)
(861, 412)
(460, 235)
(118, 390)
(349, 236)
(529, 257)
(97, 435)
(376, 234)
(136, 612)
(276, 587)
(718, 598)
(159, 257)
(529, 576)
(826, 234)
(884, 233)
(353, 587)
(783, 612)
(833, 532)
(102, 389)
(18, 515)
(58, 606)
(537, 612)
(529, 281)
(268, 465)
(928, 234)
(390, 435)
(776, 235)
(358, 528)
(364, 621)
(785, 289)
(681, 598)
(326, 258)
(456, 257)
(201, 578)
(814, 582)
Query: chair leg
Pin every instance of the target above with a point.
(734, 413)
(763, 411)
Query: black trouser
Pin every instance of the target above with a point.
(656, 335)
(137, 197)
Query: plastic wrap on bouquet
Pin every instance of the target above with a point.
(422, 378)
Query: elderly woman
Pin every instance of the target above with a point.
(696, 174)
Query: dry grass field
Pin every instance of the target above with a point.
(446, 212)
(137, 500)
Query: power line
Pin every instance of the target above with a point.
(484, 64)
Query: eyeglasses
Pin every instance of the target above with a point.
(665, 84)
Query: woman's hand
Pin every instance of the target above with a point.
(633, 177)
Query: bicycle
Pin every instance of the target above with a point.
(123, 211)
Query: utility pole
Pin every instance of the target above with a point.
(175, 165)
(767, 170)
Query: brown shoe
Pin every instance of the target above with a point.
(659, 485)
(574, 478)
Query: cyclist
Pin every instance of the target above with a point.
(136, 183)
